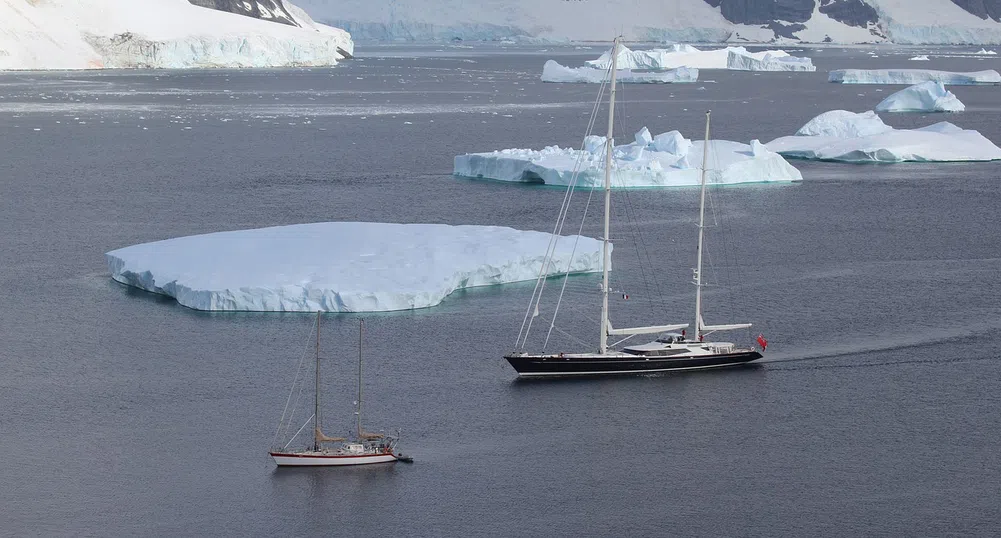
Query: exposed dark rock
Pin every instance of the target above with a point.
(850, 12)
(985, 9)
(266, 10)
(786, 30)
(764, 11)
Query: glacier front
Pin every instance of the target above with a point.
(554, 72)
(342, 266)
(840, 135)
(928, 96)
(912, 76)
(667, 160)
(96, 34)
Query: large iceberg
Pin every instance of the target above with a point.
(342, 266)
(95, 34)
(840, 135)
(675, 56)
(554, 72)
(928, 96)
(912, 76)
(746, 61)
(666, 160)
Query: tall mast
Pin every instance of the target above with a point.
(702, 221)
(361, 327)
(606, 258)
(316, 410)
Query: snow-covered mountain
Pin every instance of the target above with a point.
(92, 34)
(812, 21)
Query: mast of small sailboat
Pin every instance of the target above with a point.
(702, 221)
(605, 259)
(316, 410)
(361, 328)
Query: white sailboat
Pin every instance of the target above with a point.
(363, 448)
(671, 350)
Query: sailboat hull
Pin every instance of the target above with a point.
(584, 364)
(320, 460)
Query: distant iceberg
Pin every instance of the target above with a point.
(554, 72)
(912, 76)
(986, 52)
(928, 96)
(921, 58)
(665, 160)
(677, 55)
(840, 135)
(342, 266)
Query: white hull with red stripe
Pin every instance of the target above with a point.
(314, 459)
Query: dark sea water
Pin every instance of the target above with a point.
(877, 410)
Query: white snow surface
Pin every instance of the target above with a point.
(912, 76)
(693, 21)
(341, 266)
(840, 135)
(688, 56)
(665, 160)
(94, 34)
(928, 96)
(554, 72)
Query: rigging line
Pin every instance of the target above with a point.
(575, 177)
(568, 335)
(295, 380)
(550, 250)
(643, 256)
(566, 276)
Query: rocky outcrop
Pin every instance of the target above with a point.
(850, 12)
(769, 12)
(985, 9)
(266, 10)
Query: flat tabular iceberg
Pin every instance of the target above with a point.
(341, 266)
(925, 97)
(554, 72)
(840, 135)
(911, 76)
(688, 56)
(667, 160)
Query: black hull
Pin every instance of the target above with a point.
(555, 365)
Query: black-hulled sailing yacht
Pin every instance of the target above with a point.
(671, 350)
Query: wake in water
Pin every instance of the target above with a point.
(938, 335)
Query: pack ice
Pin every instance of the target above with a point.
(341, 266)
(840, 135)
(666, 160)
(928, 96)
(554, 72)
(677, 55)
(95, 34)
(912, 76)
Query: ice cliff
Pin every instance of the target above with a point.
(94, 34)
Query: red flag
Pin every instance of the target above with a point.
(762, 342)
